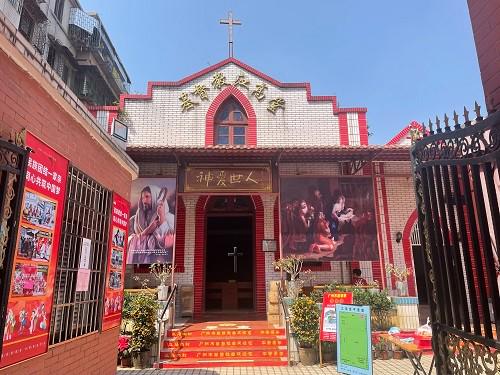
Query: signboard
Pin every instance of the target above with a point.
(83, 275)
(31, 290)
(152, 221)
(269, 246)
(113, 295)
(354, 344)
(227, 179)
(329, 218)
(328, 322)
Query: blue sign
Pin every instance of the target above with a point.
(354, 340)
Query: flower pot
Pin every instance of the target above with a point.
(374, 354)
(162, 292)
(126, 362)
(328, 356)
(398, 354)
(402, 288)
(140, 360)
(308, 356)
(384, 354)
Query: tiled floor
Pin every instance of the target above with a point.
(390, 367)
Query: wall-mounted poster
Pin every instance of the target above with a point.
(329, 219)
(113, 296)
(152, 221)
(31, 289)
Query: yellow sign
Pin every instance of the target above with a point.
(210, 179)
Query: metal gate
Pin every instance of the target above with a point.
(458, 189)
(13, 164)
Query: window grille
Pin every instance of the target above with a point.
(102, 119)
(59, 9)
(86, 215)
(353, 129)
(17, 4)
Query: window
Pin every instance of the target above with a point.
(17, 4)
(86, 215)
(51, 56)
(353, 129)
(231, 124)
(59, 9)
(26, 24)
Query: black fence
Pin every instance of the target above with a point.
(13, 164)
(458, 188)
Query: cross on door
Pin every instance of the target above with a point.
(235, 256)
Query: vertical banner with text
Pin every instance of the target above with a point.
(113, 298)
(328, 323)
(35, 261)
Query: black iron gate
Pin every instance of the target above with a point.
(13, 164)
(458, 189)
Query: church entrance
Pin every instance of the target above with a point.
(230, 244)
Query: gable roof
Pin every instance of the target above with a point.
(232, 60)
(404, 132)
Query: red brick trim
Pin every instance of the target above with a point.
(357, 110)
(343, 129)
(407, 250)
(363, 128)
(404, 132)
(260, 261)
(387, 223)
(377, 267)
(277, 234)
(247, 106)
(180, 235)
(199, 256)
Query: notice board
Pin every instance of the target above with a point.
(354, 346)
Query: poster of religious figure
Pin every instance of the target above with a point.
(152, 221)
(329, 219)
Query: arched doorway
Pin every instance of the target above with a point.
(230, 255)
(418, 263)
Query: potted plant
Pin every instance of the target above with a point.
(162, 272)
(329, 351)
(124, 351)
(401, 274)
(143, 312)
(305, 326)
(381, 307)
(384, 349)
(292, 265)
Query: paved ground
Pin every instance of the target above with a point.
(390, 367)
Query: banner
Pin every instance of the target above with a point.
(33, 272)
(113, 297)
(328, 323)
(152, 221)
(328, 219)
(354, 344)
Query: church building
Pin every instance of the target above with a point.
(238, 169)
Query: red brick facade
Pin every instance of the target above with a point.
(485, 18)
(29, 101)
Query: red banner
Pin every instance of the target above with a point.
(328, 325)
(35, 261)
(113, 297)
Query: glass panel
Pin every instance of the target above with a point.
(239, 130)
(223, 140)
(223, 130)
(237, 116)
(239, 139)
(223, 116)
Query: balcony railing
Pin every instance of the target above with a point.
(84, 30)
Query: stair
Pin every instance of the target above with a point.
(224, 344)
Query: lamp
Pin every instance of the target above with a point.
(399, 237)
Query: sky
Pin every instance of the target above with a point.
(404, 60)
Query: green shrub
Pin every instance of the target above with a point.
(143, 313)
(305, 321)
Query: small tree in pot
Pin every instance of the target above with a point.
(143, 311)
(305, 326)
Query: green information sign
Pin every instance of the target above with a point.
(354, 340)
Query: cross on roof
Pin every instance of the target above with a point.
(230, 22)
